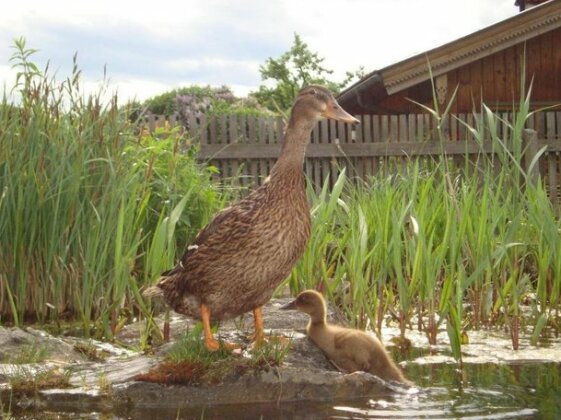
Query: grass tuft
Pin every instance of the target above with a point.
(28, 382)
(190, 363)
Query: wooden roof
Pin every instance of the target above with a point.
(414, 70)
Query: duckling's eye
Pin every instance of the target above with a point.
(313, 92)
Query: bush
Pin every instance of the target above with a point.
(196, 101)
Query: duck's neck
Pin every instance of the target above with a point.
(318, 319)
(293, 148)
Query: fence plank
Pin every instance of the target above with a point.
(332, 130)
(341, 132)
(270, 131)
(384, 128)
(261, 130)
(223, 138)
(403, 129)
(271, 151)
(280, 129)
(203, 130)
(324, 128)
(411, 128)
(212, 130)
(349, 132)
(233, 129)
(394, 128)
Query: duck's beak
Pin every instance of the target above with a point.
(335, 112)
(289, 305)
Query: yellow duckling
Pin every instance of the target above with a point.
(349, 349)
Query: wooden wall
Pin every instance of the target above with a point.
(495, 79)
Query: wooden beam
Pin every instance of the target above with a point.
(334, 150)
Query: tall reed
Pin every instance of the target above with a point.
(90, 209)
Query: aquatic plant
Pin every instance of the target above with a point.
(91, 208)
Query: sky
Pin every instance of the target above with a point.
(147, 48)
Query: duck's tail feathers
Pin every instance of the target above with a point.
(153, 292)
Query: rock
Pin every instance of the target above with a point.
(30, 345)
(306, 375)
(284, 384)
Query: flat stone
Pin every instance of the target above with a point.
(14, 342)
(283, 384)
(306, 374)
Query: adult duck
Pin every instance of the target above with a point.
(348, 349)
(238, 259)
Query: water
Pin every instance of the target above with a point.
(486, 391)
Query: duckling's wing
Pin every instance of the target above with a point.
(354, 349)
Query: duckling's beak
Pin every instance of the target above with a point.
(335, 112)
(289, 305)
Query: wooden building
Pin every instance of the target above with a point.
(486, 65)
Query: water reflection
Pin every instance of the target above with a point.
(486, 391)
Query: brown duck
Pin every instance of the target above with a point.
(238, 259)
(348, 349)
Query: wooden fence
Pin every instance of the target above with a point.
(246, 147)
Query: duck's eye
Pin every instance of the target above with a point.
(313, 92)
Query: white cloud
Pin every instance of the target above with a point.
(378, 33)
(185, 64)
(149, 46)
(128, 89)
(7, 77)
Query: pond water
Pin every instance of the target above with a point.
(487, 391)
(495, 383)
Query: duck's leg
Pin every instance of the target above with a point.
(210, 343)
(258, 336)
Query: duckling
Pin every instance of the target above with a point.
(348, 349)
(238, 259)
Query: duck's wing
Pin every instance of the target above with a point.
(228, 224)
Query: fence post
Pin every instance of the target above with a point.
(530, 138)
(151, 123)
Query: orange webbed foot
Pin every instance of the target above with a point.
(211, 343)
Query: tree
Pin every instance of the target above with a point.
(293, 70)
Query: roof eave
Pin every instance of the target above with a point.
(447, 57)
